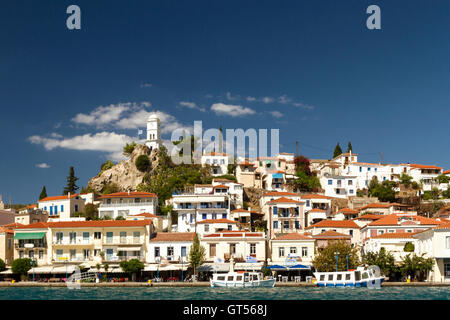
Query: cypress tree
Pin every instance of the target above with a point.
(71, 180)
(349, 147)
(337, 150)
(43, 193)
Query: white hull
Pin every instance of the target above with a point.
(263, 283)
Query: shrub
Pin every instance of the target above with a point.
(107, 165)
(409, 247)
(2, 265)
(143, 163)
(129, 148)
(110, 188)
(21, 266)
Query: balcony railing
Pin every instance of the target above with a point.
(131, 204)
(123, 241)
(125, 258)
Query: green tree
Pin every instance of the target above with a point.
(416, 266)
(21, 266)
(305, 180)
(120, 218)
(325, 259)
(196, 254)
(143, 163)
(384, 260)
(446, 193)
(91, 211)
(71, 182)
(349, 147)
(431, 195)
(87, 189)
(43, 193)
(383, 191)
(337, 150)
(129, 148)
(132, 266)
(443, 178)
(110, 188)
(405, 179)
(409, 247)
(107, 165)
(2, 265)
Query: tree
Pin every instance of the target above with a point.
(91, 211)
(71, 180)
(325, 260)
(442, 178)
(132, 266)
(107, 165)
(43, 193)
(416, 266)
(128, 149)
(110, 188)
(305, 180)
(384, 260)
(120, 218)
(409, 247)
(143, 163)
(405, 179)
(383, 191)
(21, 266)
(337, 151)
(196, 254)
(2, 265)
(431, 195)
(349, 147)
(446, 193)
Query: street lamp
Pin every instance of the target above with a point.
(182, 265)
(33, 262)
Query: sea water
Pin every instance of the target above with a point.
(206, 293)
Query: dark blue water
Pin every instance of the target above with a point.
(203, 293)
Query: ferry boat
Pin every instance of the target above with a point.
(241, 279)
(360, 277)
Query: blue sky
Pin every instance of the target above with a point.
(310, 68)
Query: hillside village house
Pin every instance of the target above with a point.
(345, 214)
(426, 174)
(391, 242)
(30, 214)
(324, 238)
(243, 218)
(364, 220)
(90, 197)
(235, 190)
(159, 222)
(125, 204)
(83, 241)
(62, 207)
(247, 175)
(7, 243)
(209, 226)
(217, 161)
(435, 243)
(285, 216)
(386, 209)
(338, 186)
(205, 202)
(346, 227)
(397, 224)
(170, 246)
(292, 246)
(236, 244)
(317, 208)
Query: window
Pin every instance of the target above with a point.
(286, 224)
(183, 251)
(59, 253)
(206, 227)
(214, 216)
(73, 253)
(297, 225)
(275, 210)
(308, 202)
(224, 215)
(233, 248)
(59, 237)
(212, 250)
(86, 254)
(391, 231)
(109, 237)
(31, 254)
(41, 254)
(380, 231)
(350, 182)
(281, 251)
(360, 169)
(351, 232)
(330, 182)
(76, 208)
(252, 248)
(339, 277)
(72, 237)
(97, 235)
(304, 251)
(156, 252)
(9, 244)
(96, 252)
(85, 236)
(351, 191)
(62, 208)
(170, 251)
(123, 237)
(136, 236)
(21, 254)
(275, 224)
(204, 216)
(293, 250)
(230, 227)
(447, 242)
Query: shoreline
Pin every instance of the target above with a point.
(199, 284)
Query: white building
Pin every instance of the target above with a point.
(127, 204)
(338, 186)
(209, 226)
(217, 161)
(62, 207)
(292, 246)
(346, 227)
(393, 243)
(171, 246)
(153, 132)
(235, 190)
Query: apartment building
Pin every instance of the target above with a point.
(125, 204)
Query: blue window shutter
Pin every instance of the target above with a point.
(275, 224)
(360, 169)
(62, 208)
(275, 210)
(204, 216)
(224, 216)
(51, 210)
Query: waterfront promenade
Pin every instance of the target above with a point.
(200, 284)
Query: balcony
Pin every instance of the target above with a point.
(122, 241)
(78, 242)
(126, 258)
(131, 204)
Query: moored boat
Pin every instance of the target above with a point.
(241, 279)
(360, 277)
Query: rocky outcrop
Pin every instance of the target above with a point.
(125, 174)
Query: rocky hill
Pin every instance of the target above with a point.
(125, 174)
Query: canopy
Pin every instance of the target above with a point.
(277, 175)
(276, 266)
(220, 267)
(171, 267)
(299, 266)
(29, 235)
(47, 269)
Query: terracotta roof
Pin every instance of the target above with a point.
(315, 196)
(129, 195)
(280, 193)
(334, 224)
(394, 235)
(446, 172)
(284, 200)
(246, 163)
(369, 216)
(59, 197)
(13, 225)
(203, 185)
(88, 224)
(216, 221)
(215, 154)
(445, 225)
(393, 220)
(348, 211)
(317, 210)
(222, 180)
(6, 230)
(221, 186)
(239, 234)
(292, 236)
(421, 166)
(240, 210)
(375, 205)
(330, 234)
(31, 206)
(173, 236)
(145, 214)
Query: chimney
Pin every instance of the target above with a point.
(68, 195)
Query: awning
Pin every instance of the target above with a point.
(47, 269)
(276, 267)
(9, 271)
(219, 267)
(248, 266)
(170, 267)
(277, 175)
(129, 249)
(29, 235)
(70, 269)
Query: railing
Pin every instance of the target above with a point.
(132, 204)
(123, 241)
(125, 258)
(67, 243)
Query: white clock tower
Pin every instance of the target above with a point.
(153, 132)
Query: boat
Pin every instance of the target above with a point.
(361, 277)
(241, 279)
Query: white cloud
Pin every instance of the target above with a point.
(302, 105)
(276, 114)
(284, 99)
(42, 165)
(267, 99)
(191, 105)
(231, 110)
(146, 85)
(109, 142)
(232, 98)
(251, 99)
(103, 115)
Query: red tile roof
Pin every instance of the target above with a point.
(375, 205)
(59, 197)
(284, 200)
(239, 234)
(292, 236)
(347, 211)
(89, 224)
(129, 195)
(369, 217)
(280, 194)
(317, 210)
(173, 237)
(334, 224)
(146, 214)
(221, 186)
(421, 166)
(315, 196)
(215, 154)
(393, 220)
(395, 235)
(240, 210)
(446, 172)
(216, 221)
(330, 234)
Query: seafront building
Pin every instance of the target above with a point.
(62, 207)
(124, 204)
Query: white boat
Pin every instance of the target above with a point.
(241, 279)
(360, 277)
